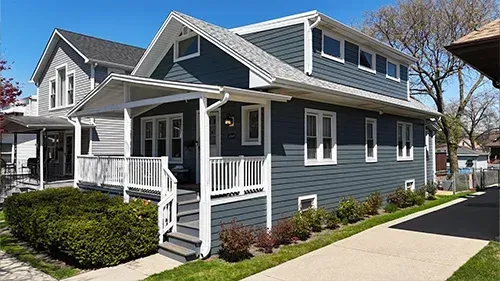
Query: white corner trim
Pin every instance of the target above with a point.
(433, 155)
(314, 197)
(245, 123)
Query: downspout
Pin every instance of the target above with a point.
(205, 199)
(308, 45)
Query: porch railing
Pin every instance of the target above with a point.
(145, 174)
(231, 176)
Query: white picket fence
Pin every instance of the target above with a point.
(145, 174)
(231, 176)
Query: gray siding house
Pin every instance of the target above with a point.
(253, 123)
(71, 66)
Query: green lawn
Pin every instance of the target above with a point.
(484, 266)
(218, 270)
(12, 246)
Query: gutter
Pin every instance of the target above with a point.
(205, 199)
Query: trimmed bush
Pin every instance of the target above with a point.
(301, 227)
(282, 232)
(420, 197)
(264, 241)
(350, 210)
(90, 229)
(235, 241)
(431, 190)
(398, 198)
(332, 221)
(372, 203)
(315, 218)
(406, 198)
(390, 208)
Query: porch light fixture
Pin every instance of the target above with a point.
(229, 121)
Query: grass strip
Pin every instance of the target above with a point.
(484, 266)
(218, 270)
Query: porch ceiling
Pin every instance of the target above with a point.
(144, 93)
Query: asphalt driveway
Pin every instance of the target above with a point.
(429, 245)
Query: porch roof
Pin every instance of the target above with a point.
(107, 98)
(21, 124)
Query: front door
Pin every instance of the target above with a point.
(68, 154)
(214, 121)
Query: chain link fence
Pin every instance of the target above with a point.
(478, 179)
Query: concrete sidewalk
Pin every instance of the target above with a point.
(132, 271)
(381, 253)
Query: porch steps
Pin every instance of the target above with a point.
(184, 245)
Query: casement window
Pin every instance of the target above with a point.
(162, 136)
(320, 146)
(392, 70)
(404, 141)
(371, 140)
(410, 185)
(62, 88)
(70, 97)
(187, 45)
(251, 124)
(366, 60)
(307, 202)
(52, 93)
(7, 152)
(332, 47)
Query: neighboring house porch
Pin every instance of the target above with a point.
(174, 136)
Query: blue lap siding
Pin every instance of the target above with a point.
(352, 176)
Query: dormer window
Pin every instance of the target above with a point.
(187, 45)
(392, 70)
(367, 60)
(332, 47)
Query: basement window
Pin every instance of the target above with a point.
(308, 202)
(410, 185)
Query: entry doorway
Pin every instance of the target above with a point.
(68, 154)
(215, 138)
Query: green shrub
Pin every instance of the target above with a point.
(235, 241)
(315, 218)
(390, 208)
(282, 232)
(372, 203)
(301, 227)
(332, 221)
(398, 198)
(406, 198)
(420, 197)
(350, 210)
(91, 229)
(431, 190)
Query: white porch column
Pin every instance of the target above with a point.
(267, 163)
(41, 160)
(78, 150)
(205, 204)
(127, 142)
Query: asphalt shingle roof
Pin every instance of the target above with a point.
(104, 50)
(487, 31)
(281, 70)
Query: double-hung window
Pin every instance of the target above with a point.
(320, 137)
(162, 136)
(404, 141)
(332, 47)
(52, 93)
(62, 88)
(371, 140)
(367, 60)
(70, 98)
(187, 45)
(251, 120)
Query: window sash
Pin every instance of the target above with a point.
(371, 140)
(366, 59)
(251, 124)
(70, 98)
(392, 67)
(163, 136)
(52, 89)
(320, 137)
(405, 141)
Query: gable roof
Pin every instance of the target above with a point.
(486, 32)
(91, 49)
(274, 71)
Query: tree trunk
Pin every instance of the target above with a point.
(453, 156)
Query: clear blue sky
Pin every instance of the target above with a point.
(27, 25)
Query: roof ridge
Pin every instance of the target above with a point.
(98, 38)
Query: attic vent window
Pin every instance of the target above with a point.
(187, 45)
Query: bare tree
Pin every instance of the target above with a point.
(422, 28)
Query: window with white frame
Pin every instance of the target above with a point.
(366, 60)
(332, 47)
(307, 202)
(163, 136)
(61, 85)
(52, 93)
(392, 70)
(410, 185)
(251, 120)
(7, 152)
(70, 97)
(371, 140)
(404, 141)
(187, 45)
(320, 137)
